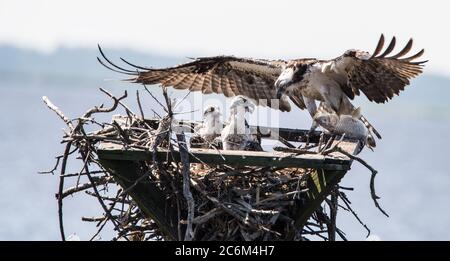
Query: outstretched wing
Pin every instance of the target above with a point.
(229, 75)
(379, 77)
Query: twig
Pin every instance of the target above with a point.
(204, 218)
(119, 101)
(344, 199)
(365, 164)
(137, 181)
(184, 98)
(96, 182)
(122, 133)
(54, 108)
(103, 223)
(94, 187)
(154, 98)
(98, 109)
(58, 158)
(293, 150)
(333, 214)
(139, 104)
(61, 187)
(285, 142)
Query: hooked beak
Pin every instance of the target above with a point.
(283, 82)
(281, 86)
(250, 108)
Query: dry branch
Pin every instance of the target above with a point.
(54, 108)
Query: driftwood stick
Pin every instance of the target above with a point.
(112, 199)
(328, 144)
(319, 145)
(168, 102)
(333, 214)
(204, 218)
(97, 109)
(335, 147)
(119, 101)
(86, 161)
(84, 173)
(182, 100)
(186, 185)
(347, 203)
(60, 189)
(156, 99)
(58, 159)
(54, 108)
(96, 182)
(52, 171)
(161, 134)
(285, 142)
(293, 150)
(103, 222)
(99, 198)
(96, 219)
(139, 104)
(365, 164)
(141, 178)
(122, 133)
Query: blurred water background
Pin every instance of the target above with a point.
(413, 178)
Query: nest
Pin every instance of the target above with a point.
(210, 202)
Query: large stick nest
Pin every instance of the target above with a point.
(211, 202)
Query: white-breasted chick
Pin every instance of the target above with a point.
(210, 128)
(236, 134)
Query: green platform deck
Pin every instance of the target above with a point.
(124, 166)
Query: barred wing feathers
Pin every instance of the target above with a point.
(228, 75)
(378, 76)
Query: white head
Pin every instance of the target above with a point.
(240, 103)
(291, 76)
(211, 112)
(212, 123)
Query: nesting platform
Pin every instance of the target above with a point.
(126, 167)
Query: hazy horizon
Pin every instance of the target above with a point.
(412, 125)
(49, 48)
(266, 29)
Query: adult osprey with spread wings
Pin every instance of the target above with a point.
(303, 81)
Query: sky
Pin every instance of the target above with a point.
(263, 29)
(278, 29)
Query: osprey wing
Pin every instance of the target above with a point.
(378, 76)
(229, 75)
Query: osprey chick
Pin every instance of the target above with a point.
(236, 134)
(211, 127)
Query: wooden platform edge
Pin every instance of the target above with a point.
(111, 151)
(124, 166)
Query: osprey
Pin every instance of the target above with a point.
(236, 134)
(205, 134)
(273, 82)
